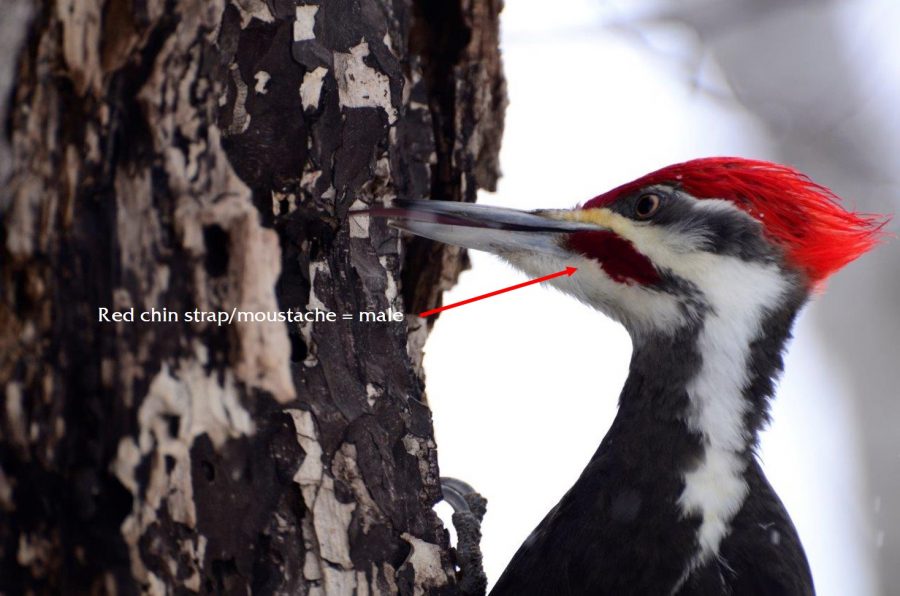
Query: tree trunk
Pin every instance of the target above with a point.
(194, 157)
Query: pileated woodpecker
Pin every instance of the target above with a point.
(706, 264)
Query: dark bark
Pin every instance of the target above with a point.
(205, 155)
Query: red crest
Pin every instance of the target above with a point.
(818, 235)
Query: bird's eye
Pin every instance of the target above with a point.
(646, 206)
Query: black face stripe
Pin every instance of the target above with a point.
(726, 232)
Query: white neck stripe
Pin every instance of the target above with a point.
(716, 488)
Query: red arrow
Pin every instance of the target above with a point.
(567, 271)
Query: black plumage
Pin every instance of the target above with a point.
(619, 529)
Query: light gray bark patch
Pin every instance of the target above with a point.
(178, 408)
(311, 89)
(305, 22)
(425, 561)
(81, 26)
(16, 424)
(422, 450)
(328, 543)
(262, 79)
(417, 335)
(361, 86)
(345, 468)
(253, 9)
(240, 119)
(255, 267)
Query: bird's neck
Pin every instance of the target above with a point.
(691, 411)
(712, 381)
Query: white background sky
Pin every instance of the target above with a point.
(523, 386)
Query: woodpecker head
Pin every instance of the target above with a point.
(714, 234)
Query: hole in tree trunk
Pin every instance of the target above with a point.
(216, 241)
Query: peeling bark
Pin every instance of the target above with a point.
(205, 155)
